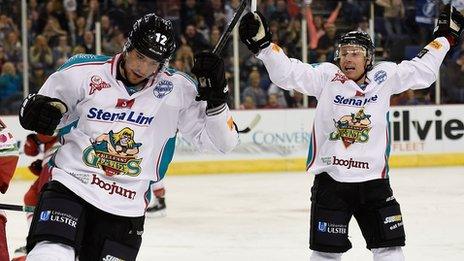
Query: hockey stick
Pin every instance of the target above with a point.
(17, 207)
(225, 36)
(252, 124)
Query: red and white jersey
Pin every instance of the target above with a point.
(8, 145)
(8, 156)
(114, 144)
(350, 137)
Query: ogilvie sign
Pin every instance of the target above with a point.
(434, 126)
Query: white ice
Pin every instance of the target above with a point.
(265, 217)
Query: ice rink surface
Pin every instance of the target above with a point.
(265, 217)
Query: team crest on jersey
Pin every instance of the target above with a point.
(340, 77)
(352, 128)
(162, 89)
(97, 84)
(380, 76)
(115, 153)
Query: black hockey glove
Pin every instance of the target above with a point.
(450, 25)
(36, 167)
(212, 84)
(41, 113)
(254, 32)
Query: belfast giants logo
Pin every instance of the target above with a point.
(352, 128)
(115, 153)
(162, 89)
(380, 76)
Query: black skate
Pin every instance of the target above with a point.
(157, 208)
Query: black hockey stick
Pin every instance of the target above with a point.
(17, 207)
(226, 35)
(252, 124)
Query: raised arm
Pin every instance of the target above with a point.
(287, 73)
(422, 71)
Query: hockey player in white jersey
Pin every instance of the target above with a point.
(350, 143)
(118, 118)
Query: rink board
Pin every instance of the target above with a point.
(421, 136)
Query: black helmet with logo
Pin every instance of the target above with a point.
(357, 38)
(152, 36)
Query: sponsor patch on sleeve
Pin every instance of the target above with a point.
(422, 53)
(276, 48)
(230, 123)
(435, 44)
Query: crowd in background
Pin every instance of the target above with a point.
(58, 29)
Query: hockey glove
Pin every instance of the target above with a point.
(32, 145)
(254, 32)
(450, 25)
(36, 167)
(41, 113)
(212, 84)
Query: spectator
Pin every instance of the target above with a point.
(215, 15)
(254, 90)
(89, 42)
(116, 43)
(325, 49)
(10, 87)
(202, 27)
(80, 30)
(292, 38)
(3, 58)
(6, 26)
(188, 13)
(393, 13)
(408, 98)
(248, 103)
(279, 93)
(78, 49)
(215, 36)
(453, 80)
(61, 52)
(13, 47)
(273, 102)
(107, 30)
(363, 25)
(295, 99)
(41, 54)
(184, 58)
(230, 8)
(196, 40)
(281, 14)
(316, 24)
(38, 78)
(120, 16)
(267, 7)
(52, 31)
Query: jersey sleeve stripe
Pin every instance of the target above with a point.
(312, 150)
(165, 158)
(387, 149)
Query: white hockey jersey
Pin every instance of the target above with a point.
(114, 144)
(350, 137)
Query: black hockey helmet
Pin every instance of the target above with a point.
(152, 36)
(357, 38)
